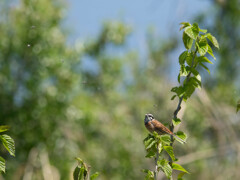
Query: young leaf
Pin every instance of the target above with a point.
(202, 46)
(187, 41)
(149, 176)
(181, 135)
(183, 57)
(167, 169)
(166, 139)
(8, 143)
(2, 165)
(205, 67)
(176, 121)
(94, 176)
(203, 30)
(184, 24)
(211, 52)
(169, 150)
(192, 32)
(179, 168)
(189, 59)
(202, 59)
(183, 71)
(213, 40)
(4, 128)
(180, 175)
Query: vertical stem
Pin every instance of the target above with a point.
(156, 165)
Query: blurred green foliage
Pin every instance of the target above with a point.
(58, 108)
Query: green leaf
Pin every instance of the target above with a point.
(213, 40)
(189, 88)
(238, 105)
(150, 174)
(76, 173)
(167, 169)
(183, 57)
(192, 31)
(184, 70)
(180, 175)
(94, 176)
(166, 139)
(173, 97)
(176, 121)
(150, 154)
(211, 52)
(149, 141)
(179, 168)
(8, 143)
(205, 67)
(202, 46)
(169, 150)
(189, 59)
(203, 30)
(181, 135)
(2, 165)
(184, 24)
(4, 128)
(178, 90)
(179, 78)
(202, 59)
(194, 71)
(187, 41)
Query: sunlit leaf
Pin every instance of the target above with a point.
(169, 150)
(187, 41)
(192, 32)
(167, 169)
(176, 121)
(179, 168)
(94, 176)
(8, 143)
(213, 40)
(183, 57)
(184, 24)
(211, 52)
(2, 165)
(202, 46)
(4, 128)
(166, 139)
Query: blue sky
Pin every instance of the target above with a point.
(85, 18)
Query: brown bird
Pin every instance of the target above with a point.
(154, 125)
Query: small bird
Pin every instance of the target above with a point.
(154, 125)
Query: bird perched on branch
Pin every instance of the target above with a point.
(154, 125)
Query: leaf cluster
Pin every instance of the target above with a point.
(196, 42)
(156, 145)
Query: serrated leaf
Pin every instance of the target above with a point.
(76, 173)
(2, 165)
(192, 32)
(94, 176)
(183, 57)
(8, 143)
(166, 139)
(169, 150)
(176, 121)
(167, 169)
(211, 52)
(181, 135)
(4, 128)
(202, 46)
(179, 168)
(149, 176)
(213, 40)
(187, 41)
(202, 59)
(205, 67)
(184, 24)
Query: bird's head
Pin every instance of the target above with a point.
(148, 117)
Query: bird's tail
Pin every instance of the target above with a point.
(178, 138)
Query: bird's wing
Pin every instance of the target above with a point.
(159, 127)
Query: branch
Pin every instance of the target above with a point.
(156, 165)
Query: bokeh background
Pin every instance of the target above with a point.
(77, 77)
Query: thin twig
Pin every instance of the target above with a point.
(156, 165)
(180, 101)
